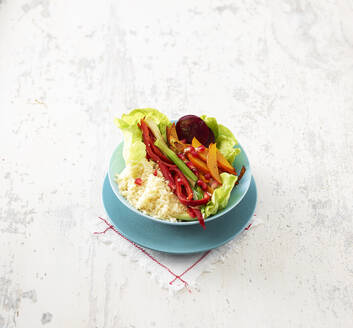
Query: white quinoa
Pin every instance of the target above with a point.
(153, 196)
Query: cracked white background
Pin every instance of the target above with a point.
(277, 73)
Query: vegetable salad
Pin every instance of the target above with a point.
(194, 156)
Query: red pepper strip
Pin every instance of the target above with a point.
(155, 149)
(191, 212)
(199, 217)
(160, 154)
(149, 143)
(179, 191)
(167, 175)
(184, 182)
(197, 202)
(145, 131)
(188, 202)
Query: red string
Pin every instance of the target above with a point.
(248, 227)
(150, 256)
(190, 267)
(111, 227)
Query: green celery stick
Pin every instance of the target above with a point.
(178, 162)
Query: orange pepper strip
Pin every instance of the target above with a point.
(195, 143)
(212, 162)
(224, 164)
(210, 190)
(221, 160)
(202, 154)
(167, 130)
(173, 140)
(202, 177)
(173, 132)
(199, 164)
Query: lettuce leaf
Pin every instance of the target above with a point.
(212, 124)
(225, 139)
(220, 196)
(134, 149)
(225, 144)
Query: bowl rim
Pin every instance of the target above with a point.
(115, 189)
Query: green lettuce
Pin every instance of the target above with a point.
(134, 149)
(225, 139)
(220, 196)
(212, 124)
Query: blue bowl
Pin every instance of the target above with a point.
(179, 239)
(117, 164)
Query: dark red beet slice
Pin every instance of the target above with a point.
(211, 139)
(190, 126)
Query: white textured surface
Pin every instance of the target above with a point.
(278, 73)
(187, 267)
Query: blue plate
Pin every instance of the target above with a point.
(186, 239)
(117, 164)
